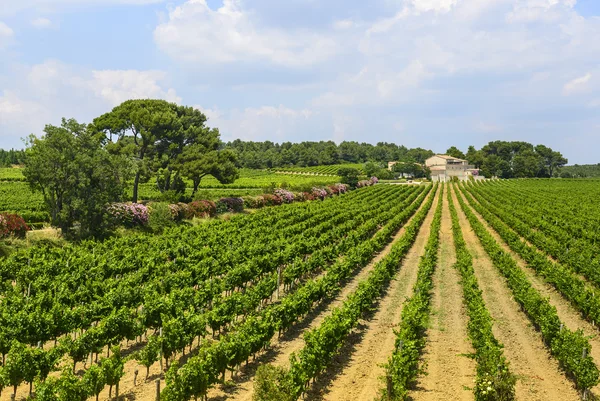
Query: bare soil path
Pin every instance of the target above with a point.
(293, 341)
(355, 373)
(450, 372)
(539, 376)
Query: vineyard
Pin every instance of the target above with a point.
(458, 291)
(319, 170)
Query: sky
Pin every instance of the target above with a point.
(421, 73)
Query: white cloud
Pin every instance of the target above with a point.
(43, 93)
(276, 123)
(577, 85)
(198, 34)
(433, 5)
(117, 86)
(534, 10)
(41, 23)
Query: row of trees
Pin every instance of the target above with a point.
(513, 159)
(80, 168)
(271, 155)
(10, 157)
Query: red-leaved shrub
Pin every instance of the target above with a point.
(12, 224)
(201, 208)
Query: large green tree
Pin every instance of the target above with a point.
(76, 176)
(167, 138)
(455, 152)
(139, 126)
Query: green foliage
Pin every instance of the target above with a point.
(148, 355)
(76, 177)
(94, 380)
(349, 176)
(161, 217)
(566, 346)
(11, 157)
(270, 384)
(515, 160)
(169, 139)
(494, 380)
(403, 366)
(455, 152)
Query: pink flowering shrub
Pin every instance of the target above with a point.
(201, 208)
(374, 180)
(333, 190)
(179, 211)
(342, 188)
(129, 214)
(319, 193)
(285, 195)
(365, 183)
(12, 224)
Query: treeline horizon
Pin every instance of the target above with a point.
(502, 159)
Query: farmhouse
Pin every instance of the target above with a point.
(444, 167)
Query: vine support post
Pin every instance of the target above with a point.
(390, 387)
(160, 333)
(157, 389)
(278, 280)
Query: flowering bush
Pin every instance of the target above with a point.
(12, 224)
(230, 205)
(201, 208)
(129, 214)
(272, 200)
(253, 202)
(342, 188)
(364, 183)
(374, 180)
(285, 195)
(179, 211)
(333, 190)
(319, 193)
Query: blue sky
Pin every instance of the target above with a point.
(429, 73)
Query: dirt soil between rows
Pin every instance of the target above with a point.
(356, 372)
(539, 377)
(293, 341)
(449, 370)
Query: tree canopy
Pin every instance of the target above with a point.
(516, 160)
(76, 176)
(168, 139)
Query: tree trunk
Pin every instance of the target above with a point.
(136, 182)
(110, 392)
(196, 182)
(30, 388)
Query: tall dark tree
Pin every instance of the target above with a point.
(139, 125)
(455, 152)
(552, 160)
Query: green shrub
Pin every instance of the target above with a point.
(161, 217)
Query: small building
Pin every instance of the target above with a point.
(443, 168)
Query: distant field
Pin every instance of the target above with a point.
(11, 174)
(329, 170)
